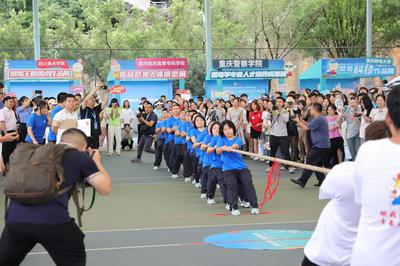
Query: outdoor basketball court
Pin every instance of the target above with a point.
(150, 219)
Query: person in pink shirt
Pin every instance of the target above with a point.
(337, 143)
(256, 122)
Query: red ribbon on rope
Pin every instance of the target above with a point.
(273, 182)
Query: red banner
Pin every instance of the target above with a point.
(162, 63)
(118, 89)
(52, 63)
(39, 74)
(154, 74)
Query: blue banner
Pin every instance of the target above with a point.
(357, 67)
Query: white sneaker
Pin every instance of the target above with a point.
(187, 179)
(210, 201)
(282, 167)
(110, 154)
(245, 204)
(198, 185)
(169, 170)
(255, 211)
(292, 170)
(203, 196)
(218, 186)
(228, 207)
(156, 168)
(174, 176)
(235, 212)
(193, 182)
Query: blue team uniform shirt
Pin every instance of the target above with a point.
(199, 138)
(189, 143)
(206, 158)
(216, 161)
(170, 123)
(52, 136)
(178, 140)
(161, 124)
(182, 128)
(231, 160)
(38, 123)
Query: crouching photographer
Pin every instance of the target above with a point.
(148, 122)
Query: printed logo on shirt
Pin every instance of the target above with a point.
(395, 192)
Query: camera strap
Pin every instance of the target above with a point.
(80, 189)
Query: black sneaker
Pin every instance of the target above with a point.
(136, 161)
(297, 182)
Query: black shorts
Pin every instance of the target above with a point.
(254, 134)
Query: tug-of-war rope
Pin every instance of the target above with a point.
(274, 174)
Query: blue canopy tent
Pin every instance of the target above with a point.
(344, 73)
(251, 77)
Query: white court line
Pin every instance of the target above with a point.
(129, 247)
(166, 228)
(194, 226)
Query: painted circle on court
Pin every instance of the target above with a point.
(261, 239)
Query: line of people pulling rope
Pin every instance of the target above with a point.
(184, 138)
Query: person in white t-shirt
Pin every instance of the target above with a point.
(377, 189)
(333, 239)
(127, 115)
(379, 113)
(66, 118)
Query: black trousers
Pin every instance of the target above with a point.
(233, 178)
(198, 169)
(283, 143)
(204, 179)
(215, 176)
(8, 148)
(177, 157)
(63, 242)
(307, 262)
(159, 151)
(145, 143)
(22, 132)
(167, 153)
(316, 157)
(187, 164)
(126, 143)
(139, 128)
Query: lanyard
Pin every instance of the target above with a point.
(94, 117)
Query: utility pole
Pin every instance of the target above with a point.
(207, 25)
(36, 28)
(369, 28)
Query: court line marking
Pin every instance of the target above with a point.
(196, 226)
(173, 245)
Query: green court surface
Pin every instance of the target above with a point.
(151, 219)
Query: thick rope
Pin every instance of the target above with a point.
(285, 162)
